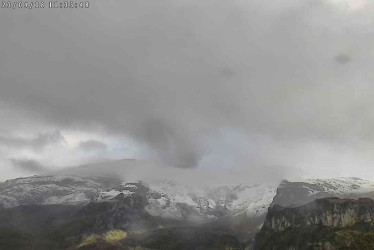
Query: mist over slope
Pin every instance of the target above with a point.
(132, 170)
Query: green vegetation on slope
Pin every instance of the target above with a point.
(316, 237)
(14, 239)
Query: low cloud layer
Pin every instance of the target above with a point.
(290, 81)
(30, 166)
(92, 145)
(38, 142)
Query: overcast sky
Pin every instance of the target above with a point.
(276, 88)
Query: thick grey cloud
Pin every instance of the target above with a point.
(343, 58)
(171, 74)
(38, 142)
(92, 145)
(30, 166)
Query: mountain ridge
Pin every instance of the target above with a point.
(160, 207)
(323, 224)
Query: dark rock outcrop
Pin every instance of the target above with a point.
(330, 212)
(326, 223)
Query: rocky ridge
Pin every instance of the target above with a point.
(165, 199)
(328, 212)
(298, 192)
(159, 209)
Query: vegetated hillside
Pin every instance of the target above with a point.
(327, 223)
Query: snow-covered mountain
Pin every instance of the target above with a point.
(236, 210)
(165, 198)
(158, 207)
(297, 192)
(181, 201)
(171, 200)
(39, 190)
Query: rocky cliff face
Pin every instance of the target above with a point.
(325, 223)
(329, 212)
